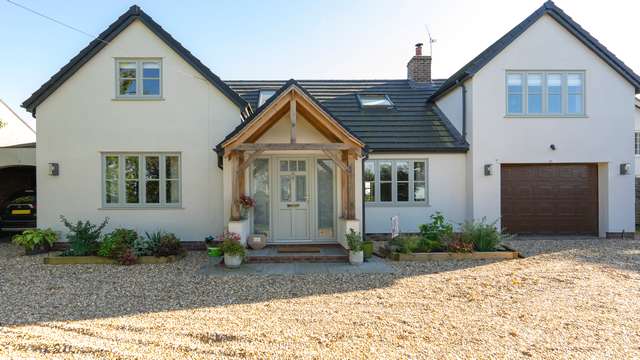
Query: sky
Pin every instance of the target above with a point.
(303, 39)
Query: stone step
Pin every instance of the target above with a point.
(297, 258)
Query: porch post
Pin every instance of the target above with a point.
(352, 186)
(348, 187)
(237, 185)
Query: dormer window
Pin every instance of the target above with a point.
(264, 96)
(139, 78)
(375, 101)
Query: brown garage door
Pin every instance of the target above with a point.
(550, 199)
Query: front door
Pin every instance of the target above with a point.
(293, 200)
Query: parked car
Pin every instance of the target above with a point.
(19, 212)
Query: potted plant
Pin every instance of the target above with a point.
(213, 248)
(232, 249)
(36, 241)
(246, 203)
(367, 249)
(354, 241)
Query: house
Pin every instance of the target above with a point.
(533, 133)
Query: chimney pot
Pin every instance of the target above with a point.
(419, 49)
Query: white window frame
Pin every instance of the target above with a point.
(263, 97)
(141, 204)
(545, 93)
(637, 142)
(394, 183)
(139, 78)
(361, 100)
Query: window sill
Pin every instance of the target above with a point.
(138, 99)
(397, 204)
(546, 116)
(177, 207)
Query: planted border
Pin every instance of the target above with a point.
(98, 260)
(444, 256)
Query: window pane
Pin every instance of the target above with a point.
(419, 171)
(325, 198)
(385, 171)
(374, 101)
(132, 191)
(514, 91)
(534, 93)
(151, 70)
(112, 168)
(419, 193)
(111, 189)
(555, 103)
(293, 165)
(575, 104)
(127, 70)
(369, 171)
(152, 167)
(284, 165)
(261, 196)
(637, 136)
(127, 87)
(132, 167)
(574, 83)
(514, 83)
(302, 165)
(151, 87)
(172, 167)
(153, 192)
(402, 171)
(264, 96)
(385, 191)
(403, 191)
(285, 188)
(369, 191)
(515, 104)
(554, 93)
(172, 192)
(301, 188)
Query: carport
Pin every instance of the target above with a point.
(17, 171)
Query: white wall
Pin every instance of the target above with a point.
(637, 129)
(82, 119)
(600, 137)
(447, 194)
(15, 131)
(451, 106)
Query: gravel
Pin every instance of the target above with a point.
(567, 299)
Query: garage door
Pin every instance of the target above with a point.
(550, 199)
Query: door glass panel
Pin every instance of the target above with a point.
(285, 188)
(284, 165)
(261, 196)
(325, 198)
(293, 165)
(301, 188)
(302, 165)
(369, 181)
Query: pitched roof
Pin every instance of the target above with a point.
(409, 126)
(126, 19)
(563, 19)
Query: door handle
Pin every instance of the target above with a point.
(293, 205)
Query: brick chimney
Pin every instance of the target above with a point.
(419, 67)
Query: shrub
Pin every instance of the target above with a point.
(456, 244)
(437, 229)
(484, 236)
(116, 243)
(168, 245)
(35, 239)
(128, 257)
(83, 237)
(354, 240)
(148, 245)
(405, 244)
(231, 247)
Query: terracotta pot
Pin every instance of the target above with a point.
(257, 241)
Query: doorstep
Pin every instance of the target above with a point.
(326, 254)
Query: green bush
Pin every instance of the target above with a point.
(405, 244)
(35, 239)
(148, 245)
(116, 243)
(354, 240)
(437, 229)
(83, 237)
(168, 245)
(231, 247)
(484, 236)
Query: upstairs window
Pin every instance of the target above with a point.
(139, 78)
(264, 96)
(545, 93)
(374, 101)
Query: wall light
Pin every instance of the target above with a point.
(488, 170)
(625, 168)
(54, 169)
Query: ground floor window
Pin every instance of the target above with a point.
(395, 181)
(141, 179)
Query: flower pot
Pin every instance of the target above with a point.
(214, 251)
(257, 241)
(232, 261)
(367, 249)
(356, 257)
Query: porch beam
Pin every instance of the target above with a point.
(351, 176)
(236, 184)
(297, 146)
(246, 163)
(336, 159)
(292, 116)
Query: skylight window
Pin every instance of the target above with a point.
(375, 101)
(264, 96)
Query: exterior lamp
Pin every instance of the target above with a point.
(488, 170)
(54, 169)
(625, 168)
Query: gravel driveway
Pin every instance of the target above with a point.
(568, 299)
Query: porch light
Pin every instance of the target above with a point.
(54, 169)
(488, 170)
(625, 168)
